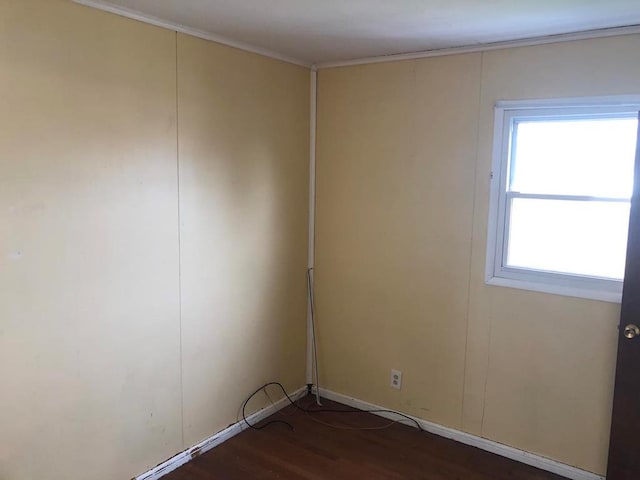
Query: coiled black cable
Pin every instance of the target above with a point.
(314, 410)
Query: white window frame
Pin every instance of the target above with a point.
(496, 271)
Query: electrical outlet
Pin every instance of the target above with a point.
(396, 379)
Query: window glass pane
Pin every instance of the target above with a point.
(591, 157)
(583, 238)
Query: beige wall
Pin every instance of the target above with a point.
(244, 142)
(404, 155)
(153, 196)
(102, 377)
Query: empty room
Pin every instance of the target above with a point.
(296, 239)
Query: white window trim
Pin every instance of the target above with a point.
(555, 283)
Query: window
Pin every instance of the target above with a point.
(561, 188)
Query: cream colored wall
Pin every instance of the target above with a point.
(545, 362)
(394, 214)
(153, 235)
(404, 156)
(244, 141)
(94, 353)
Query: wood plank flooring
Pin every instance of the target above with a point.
(317, 451)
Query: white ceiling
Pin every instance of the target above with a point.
(317, 31)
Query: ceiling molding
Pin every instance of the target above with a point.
(484, 47)
(106, 6)
(158, 22)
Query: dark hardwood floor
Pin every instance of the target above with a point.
(316, 451)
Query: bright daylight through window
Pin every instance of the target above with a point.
(562, 182)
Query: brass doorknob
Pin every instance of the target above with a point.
(631, 331)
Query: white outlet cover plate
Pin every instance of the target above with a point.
(396, 379)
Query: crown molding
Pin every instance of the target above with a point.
(484, 47)
(158, 22)
(106, 6)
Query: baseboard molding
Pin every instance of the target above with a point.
(231, 431)
(521, 456)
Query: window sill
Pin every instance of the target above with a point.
(564, 290)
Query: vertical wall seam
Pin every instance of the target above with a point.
(179, 250)
(486, 376)
(473, 220)
(489, 333)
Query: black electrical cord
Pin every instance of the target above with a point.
(314, 410)
(313, 332)
(244, 406)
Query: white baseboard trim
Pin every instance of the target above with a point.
(521, 456)
(231, 431)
